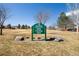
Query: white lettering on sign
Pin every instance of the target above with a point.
(38, 29)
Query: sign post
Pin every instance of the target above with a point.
(38, 28)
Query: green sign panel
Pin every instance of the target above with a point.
(39, 28)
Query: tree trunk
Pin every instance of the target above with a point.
(77, 28)
(65, 28)
(1, 30)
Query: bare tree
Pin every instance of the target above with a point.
(42, 17)
(3, 17)
(73, 9)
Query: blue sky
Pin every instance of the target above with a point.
(24, 13)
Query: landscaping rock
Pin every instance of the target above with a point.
(58, 39)
(50, 39)
(19, 38)
(27, 37)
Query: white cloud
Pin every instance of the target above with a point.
(75, 12)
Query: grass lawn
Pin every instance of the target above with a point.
(8, 45)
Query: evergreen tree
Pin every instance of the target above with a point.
(9, 26)
(19, 26)
(23, 27)
(63, 21)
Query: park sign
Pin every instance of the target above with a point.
(38, 28)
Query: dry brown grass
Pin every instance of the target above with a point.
(8, 46)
